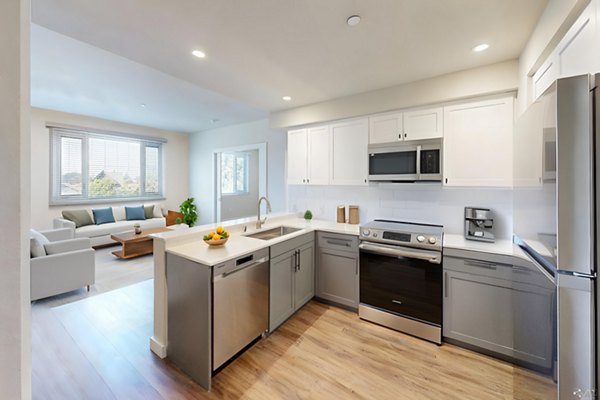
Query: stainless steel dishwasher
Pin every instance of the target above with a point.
(240, 304)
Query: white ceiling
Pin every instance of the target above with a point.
(258, 51)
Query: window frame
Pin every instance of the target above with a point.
(57, 133)
(236, 192)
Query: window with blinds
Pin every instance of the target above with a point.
(90, 167)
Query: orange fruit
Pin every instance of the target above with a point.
(220, 230)
(216, 237)
(211, 234)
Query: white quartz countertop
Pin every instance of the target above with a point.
(503, 247)
(239, 244)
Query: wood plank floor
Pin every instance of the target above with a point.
(97, 348)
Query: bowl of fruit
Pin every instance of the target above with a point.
(217, 237)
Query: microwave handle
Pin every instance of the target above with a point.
(418, 162)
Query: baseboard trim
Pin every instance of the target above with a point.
(158, 348)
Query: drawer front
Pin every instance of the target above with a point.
(476, 266)
(291, 244)
(336, 241)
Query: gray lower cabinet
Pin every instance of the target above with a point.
(291, 279)
(337, 269)
(497, 304)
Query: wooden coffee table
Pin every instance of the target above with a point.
(135, 245)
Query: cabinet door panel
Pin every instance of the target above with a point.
(575, 52)
(304, 279)
(544, 77)
(478, 311)
(385, 128)
(318, 155)
(281, 290)
(423, 124)
(478, 143)
(349, 164)
(297, 156)
(338, 277)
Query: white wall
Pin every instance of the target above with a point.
(15, 308)
(427, 203)
(490, 79)
(243, 205)
(202, 146)
(555, 21)
(175, 162)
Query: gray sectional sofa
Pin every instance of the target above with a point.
(100, 234)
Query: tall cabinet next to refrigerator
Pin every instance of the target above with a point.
(555, 219)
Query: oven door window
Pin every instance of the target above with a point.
(405, 286)
(396, 163)
(430, 161)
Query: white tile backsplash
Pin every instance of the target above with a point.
(427, 203)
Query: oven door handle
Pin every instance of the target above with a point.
(431, 256)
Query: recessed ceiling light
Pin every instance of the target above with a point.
(481, 47)
(353, 20)
(286, 98)
(143, 105)
(198, 53)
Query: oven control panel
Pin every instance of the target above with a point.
(431, 240)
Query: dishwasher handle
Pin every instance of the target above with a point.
(241, 268)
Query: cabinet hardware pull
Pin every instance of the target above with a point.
(405, 135)
(480, 264)
(445, 284)
(308, 181)
(338, 243)
(399, 136)
(397, 301)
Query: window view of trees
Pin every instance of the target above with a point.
(234, 173)
(116, 168)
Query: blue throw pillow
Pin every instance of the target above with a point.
(133, 213)
(103, 215)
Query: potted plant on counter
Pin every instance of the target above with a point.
(189, 211)
(308, 215)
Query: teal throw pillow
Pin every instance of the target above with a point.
(103, 215)
(135, 213)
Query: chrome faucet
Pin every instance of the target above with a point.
(259, 222)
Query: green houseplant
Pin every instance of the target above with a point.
(189, 211)
(308, 215)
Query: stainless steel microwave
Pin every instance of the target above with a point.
(408, 162)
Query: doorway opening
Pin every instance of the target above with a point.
(240, 180)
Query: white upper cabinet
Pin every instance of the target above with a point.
(423, 124)
(575, 54)
(349, 156)
(544, 77)
(308, 156)
(297, 156)
(577, 51)
(478, 143)
(385, 128)
(318, 155)
(528, 148)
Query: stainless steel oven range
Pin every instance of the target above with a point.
(401, 277)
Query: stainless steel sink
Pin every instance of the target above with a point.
(273, 233)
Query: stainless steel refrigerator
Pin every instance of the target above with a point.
(555, 220)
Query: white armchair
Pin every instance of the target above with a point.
(60, 263)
